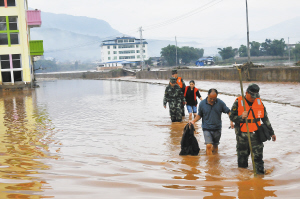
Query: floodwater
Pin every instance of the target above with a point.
(86, 139)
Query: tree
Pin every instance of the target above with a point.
(243, 51)
(273, 48)
(186, 54)
(228, 52)
(296, 51)
(278, 47)
(169, 53)
(266, 47)
(254, 48)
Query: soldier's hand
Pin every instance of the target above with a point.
(244, 115)
(273, 138)
(165, 107)
(231, 124)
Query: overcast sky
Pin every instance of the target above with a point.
(186, 19)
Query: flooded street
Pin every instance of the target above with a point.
(76, 139)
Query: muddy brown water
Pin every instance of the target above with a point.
(79, 139)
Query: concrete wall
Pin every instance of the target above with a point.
(290, 74)
(81, 75)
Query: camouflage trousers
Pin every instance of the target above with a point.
(243, 151)
(176, 113)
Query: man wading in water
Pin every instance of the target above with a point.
(210, 110)
(181, 84)
(174, 96)
(254, 108)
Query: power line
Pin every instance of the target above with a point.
(184, 16)
(150, 27)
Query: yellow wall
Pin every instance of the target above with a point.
(23, 47)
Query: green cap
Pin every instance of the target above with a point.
(174, 71)
(253, 90)
(173, 80)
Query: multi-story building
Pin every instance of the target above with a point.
(16, 49)
(123, 50)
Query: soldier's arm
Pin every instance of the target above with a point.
(181, 95)
(234, 116)
(267, 122)
(165, 98)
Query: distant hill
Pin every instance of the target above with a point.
(80, 35)
(69, 37)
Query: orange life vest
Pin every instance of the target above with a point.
(179, 82)
(195, 90)
(259, 112)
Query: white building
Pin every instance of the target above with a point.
(125, 49)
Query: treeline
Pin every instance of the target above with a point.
(268, 48)
(185, 54)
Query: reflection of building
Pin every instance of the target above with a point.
(25, 135)
(16, 49)
(122, 49)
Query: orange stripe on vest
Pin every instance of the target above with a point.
(258, 109)
(179, 82)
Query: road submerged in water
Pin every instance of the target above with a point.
(113, 139)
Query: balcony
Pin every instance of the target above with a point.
(34, 18)
(36, 47)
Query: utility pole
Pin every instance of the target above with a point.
(248, 49)
(141, 48)
(176, 52)
(289, 51)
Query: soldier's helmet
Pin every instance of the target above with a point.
(173, 80)
(174, 71)
(253, 90)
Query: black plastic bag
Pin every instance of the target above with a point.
(189, 144)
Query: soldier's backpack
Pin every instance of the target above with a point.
(189, 144)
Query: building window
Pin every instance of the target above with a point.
(138, 56)
(9, 33)
(7, 3)
(143, 45)
(108, 52)
(108, 47)
(108, 58)
(115, 52)
(11, 68)
(120, 41)
(126, 52)
(131, 40)
(126, 46)
(115, 47)
(137, 46)
(127, 57)
(115, 57)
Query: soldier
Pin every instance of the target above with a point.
(238, 116)
(174, 96)
(181, 84)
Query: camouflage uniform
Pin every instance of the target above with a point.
(174, 96)
(182, 90)
(242, 146)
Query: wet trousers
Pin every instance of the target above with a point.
(176, 113)
(243, 151)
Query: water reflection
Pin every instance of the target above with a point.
(216, 191)
(255, 188)
(25, 135)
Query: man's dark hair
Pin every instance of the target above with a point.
(212, 90)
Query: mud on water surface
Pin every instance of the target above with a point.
(111, 139)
